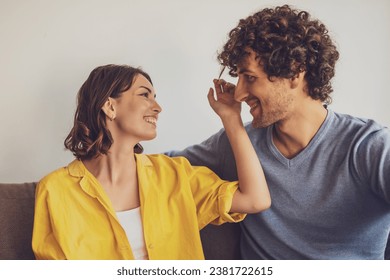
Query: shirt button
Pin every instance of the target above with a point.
(151, 246)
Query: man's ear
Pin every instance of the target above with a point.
(109, 109)
(298, 79)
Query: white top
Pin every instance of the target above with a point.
(132, 224)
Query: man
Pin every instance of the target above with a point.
(328, 173)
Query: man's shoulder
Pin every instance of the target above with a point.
(358, 130)
(345, 123)
(357, 122)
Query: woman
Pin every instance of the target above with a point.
(112, 202)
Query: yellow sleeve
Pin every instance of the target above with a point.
(44, 243)
(212, 196)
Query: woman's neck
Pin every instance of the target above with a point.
(117, 174)
(111, 167)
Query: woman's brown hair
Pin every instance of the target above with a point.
(89, 136)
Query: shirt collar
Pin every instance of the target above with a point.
(89, 184)
(76, 168)
(143, 160)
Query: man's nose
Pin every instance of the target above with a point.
(241, 93)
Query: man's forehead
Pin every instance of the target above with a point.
(249, 59)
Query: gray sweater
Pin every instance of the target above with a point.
(331, 201)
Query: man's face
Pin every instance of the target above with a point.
(269, 102)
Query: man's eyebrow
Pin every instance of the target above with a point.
(245, 70)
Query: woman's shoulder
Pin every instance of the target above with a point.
(54, 175)
(55, 178)
(179, 166)
(162, 161)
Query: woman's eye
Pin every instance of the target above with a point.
(145, 94)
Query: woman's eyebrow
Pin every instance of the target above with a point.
(148, 89)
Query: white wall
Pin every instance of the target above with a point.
(48, 48)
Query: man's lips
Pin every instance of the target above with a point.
(253, 104)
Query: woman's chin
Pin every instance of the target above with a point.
(150, 137)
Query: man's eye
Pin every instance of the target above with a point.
(250, 78)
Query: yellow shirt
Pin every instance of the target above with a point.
(74, 218)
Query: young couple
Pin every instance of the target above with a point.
(328, 173)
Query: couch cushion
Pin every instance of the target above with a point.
(221, 242)
(16, 220)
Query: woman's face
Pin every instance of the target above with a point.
(136, 112)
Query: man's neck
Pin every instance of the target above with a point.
(293, 134)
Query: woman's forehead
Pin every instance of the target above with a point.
(140, 81)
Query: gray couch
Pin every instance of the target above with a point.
(17, 215)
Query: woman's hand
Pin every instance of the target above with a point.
(224, 104)
(253, 194)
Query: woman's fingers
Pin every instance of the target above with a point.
(210, 97)
(221, 86)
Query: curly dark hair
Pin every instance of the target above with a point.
(287, 42)
(90, 136)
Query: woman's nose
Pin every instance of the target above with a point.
(156, 107)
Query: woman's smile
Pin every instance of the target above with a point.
(151, 119)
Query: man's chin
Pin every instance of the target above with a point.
(256, 125)
(259, 124)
